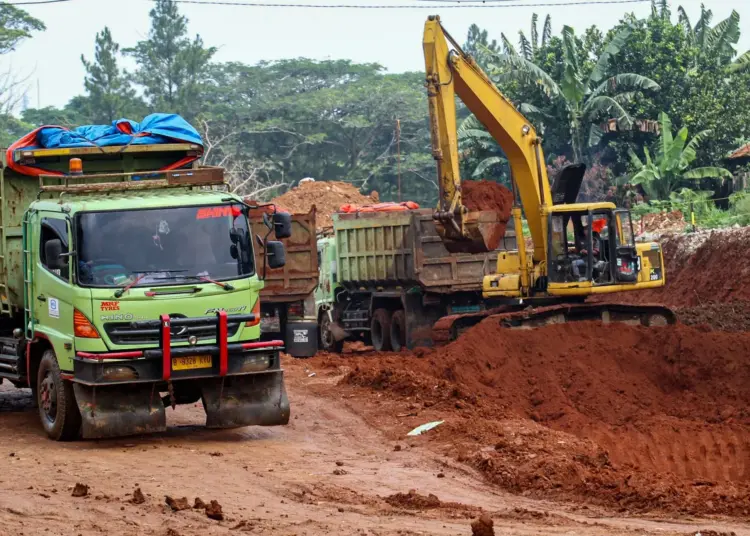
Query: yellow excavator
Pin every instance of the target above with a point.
(579, 249)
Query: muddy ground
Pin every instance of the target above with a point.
(343, 466)
(569, 429)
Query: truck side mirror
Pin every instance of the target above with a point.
(276, 254)
(282, 225)
(53, 254)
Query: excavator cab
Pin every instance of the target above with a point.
(591, 245)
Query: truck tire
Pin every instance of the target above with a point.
(398, 331)
(328, 342)
(380, 330)
(58, 410)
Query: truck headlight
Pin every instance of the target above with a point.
(256, 363)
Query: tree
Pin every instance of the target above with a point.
(477, 44)
(582, 91)
(110, 95)
(15, 26)
(171, 67)
(661, 176)
(530, 46)
(481, 156)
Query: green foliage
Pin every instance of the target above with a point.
(110, 94)
(172, 68)
(582, 87)
(662, 175)
(16, 25)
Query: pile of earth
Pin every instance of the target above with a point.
(662, 222)
(705, 267)
(642, 419)
(487, 195)
(326, 196)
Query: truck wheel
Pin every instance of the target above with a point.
(327, 341)
(380, 330)
(58, 410)
(398, 331)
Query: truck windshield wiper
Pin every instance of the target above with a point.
(142, 273)
(225, 286)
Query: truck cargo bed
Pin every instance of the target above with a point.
(398, 249)
(299, 277)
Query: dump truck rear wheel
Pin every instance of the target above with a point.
(398, 331)
(327, 341)
(58, 410)
(380, 330)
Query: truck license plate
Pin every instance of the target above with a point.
(192, 362)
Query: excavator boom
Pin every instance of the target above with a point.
(451, 73)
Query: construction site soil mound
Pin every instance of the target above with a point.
(701, 268)
(327, 196)
(487, 195)
(642, 419)
(662, 222)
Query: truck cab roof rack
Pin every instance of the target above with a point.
(142, 180)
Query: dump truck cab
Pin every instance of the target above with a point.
(127, 289)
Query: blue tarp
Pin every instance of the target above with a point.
(154, 129)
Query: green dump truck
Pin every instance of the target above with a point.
(125, 290)
(386, 278)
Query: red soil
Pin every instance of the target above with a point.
(641, 418)
(487, 195)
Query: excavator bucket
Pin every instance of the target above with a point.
(483, 231)
(119, 411)
(251, 400)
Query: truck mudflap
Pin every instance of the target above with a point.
(251, 400)
(108, 411)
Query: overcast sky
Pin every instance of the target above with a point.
(391, 37)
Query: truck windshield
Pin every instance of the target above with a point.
(163, 246)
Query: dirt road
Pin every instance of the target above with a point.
(328, 472)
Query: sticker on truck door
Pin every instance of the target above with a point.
(300, 335)
(53, 307)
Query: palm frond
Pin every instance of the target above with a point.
(687, 27)
(547, 31)
(534, 32)
(595, 135)
(741, 63)
(722, 37)
(690, 152)
(710, 172)
(612, 49)
(625, 81)
(634, 160)
(508, 47)
(606, 106)
(486, 164)
(667, 140)
(703, 26)
(525, 46)
(528, 72)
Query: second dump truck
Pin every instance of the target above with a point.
(125, 290)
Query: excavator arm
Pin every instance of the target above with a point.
(451, 72)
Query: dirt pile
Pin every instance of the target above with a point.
(638, 418)
(702, 268)
(327, 198)
(661, 223)
(487, 195)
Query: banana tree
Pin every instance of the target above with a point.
(479, 148)
(666, 172)
(588, 98)
(716, 43)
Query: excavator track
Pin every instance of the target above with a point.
(450, 327)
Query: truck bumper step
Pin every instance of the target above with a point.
(253, 400)
(121, 411)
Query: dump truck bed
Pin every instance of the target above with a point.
(299, 277)
(397, 249)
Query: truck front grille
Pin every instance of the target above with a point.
(124, 333)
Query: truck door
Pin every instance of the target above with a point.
(52, 293)
(627, 263)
